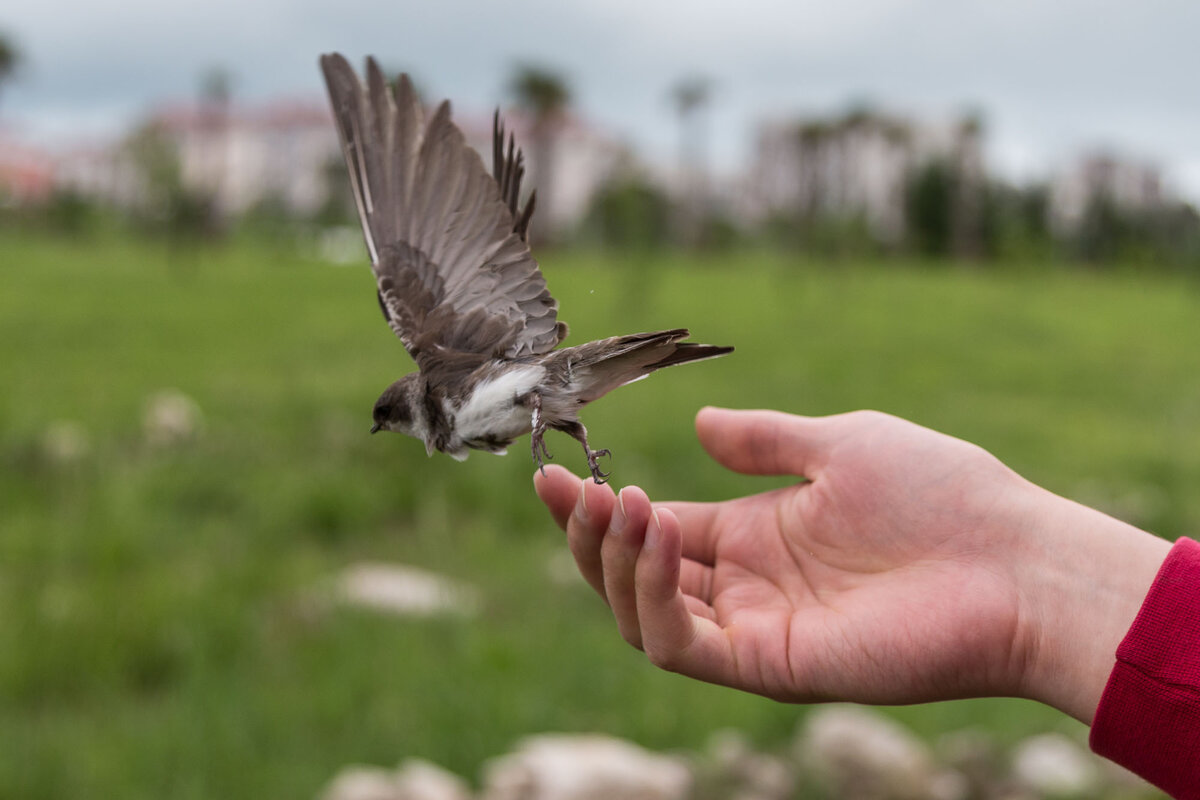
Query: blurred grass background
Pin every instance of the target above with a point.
(159, 633)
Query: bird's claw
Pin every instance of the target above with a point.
(593, 464)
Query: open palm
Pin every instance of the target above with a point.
(870, 581)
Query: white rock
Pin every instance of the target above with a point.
(363, 783)
(584, 767)
(1054, 764)
(769, 778)
(561, 570)
(976, 767)
(757, 776)
(728, 748)
(65, 442)
(863, 753)
(949, 784)
(404, 590)
(171, 417)
(414, 779)
(418, 779)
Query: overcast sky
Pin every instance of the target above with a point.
(1052, 79)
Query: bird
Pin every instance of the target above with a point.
(448, 244)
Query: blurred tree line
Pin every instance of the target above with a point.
(1016, 225)
(631, 212)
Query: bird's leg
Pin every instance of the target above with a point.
(579, 432)
(539, 431)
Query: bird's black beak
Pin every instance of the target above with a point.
(377, 427)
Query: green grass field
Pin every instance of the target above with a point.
(158, 633)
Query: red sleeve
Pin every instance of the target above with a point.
(1148, 719)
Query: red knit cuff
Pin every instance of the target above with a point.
(1148, 719)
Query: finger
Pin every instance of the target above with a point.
(695, 579)
(674, 637)
(619, 554)
(765, 442)
(586, 525)
(699, 528)
(559, 490)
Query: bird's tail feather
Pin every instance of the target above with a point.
(603, 365)
(690, 351)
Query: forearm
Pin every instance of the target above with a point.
(1083, 576)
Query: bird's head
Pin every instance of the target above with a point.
(399, 410)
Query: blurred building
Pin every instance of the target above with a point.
(278, 152)
(1127, 185)
(856, 166)
(26, 173)
(105, 172)
(286, 153)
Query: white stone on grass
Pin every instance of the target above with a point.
(414, 779)
(418, 779)
(1054, 764)
(861, 753)
(404, 590)
(171, 418)
(561, 570)
(362, 783)
(584, 767)
(756, 776)
(65, 442)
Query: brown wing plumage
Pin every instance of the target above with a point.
(445, 238)
(508, 168)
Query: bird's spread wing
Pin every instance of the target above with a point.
(446, 239)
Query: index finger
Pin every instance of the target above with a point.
(559, 490)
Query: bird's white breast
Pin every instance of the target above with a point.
(491, 410)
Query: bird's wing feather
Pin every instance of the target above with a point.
(508, 168)
(448, 250)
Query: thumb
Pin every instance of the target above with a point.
(763, 442)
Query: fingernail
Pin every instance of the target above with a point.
(617, 523)
(581, 507)
(653, 533)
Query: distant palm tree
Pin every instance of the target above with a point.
(10, 58)
(216, 95)
(812, 152)
(544, 95)
(689, 96)
(966, 212)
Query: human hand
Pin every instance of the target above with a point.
(910, 566)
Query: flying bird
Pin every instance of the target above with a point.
(448, 244)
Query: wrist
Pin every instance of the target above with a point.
(1082, 577)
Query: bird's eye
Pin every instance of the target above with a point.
(383, 412)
